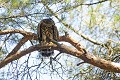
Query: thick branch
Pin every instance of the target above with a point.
(27, 36)
(88, 57)
(72, 41)
(24, 33)
(18, 46)
(78, 52)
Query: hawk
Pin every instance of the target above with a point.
(47, 28)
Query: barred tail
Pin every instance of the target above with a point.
(47, 52)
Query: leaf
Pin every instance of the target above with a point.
(117, 18)
(25, 1)
(15, 3)
(67, 1)
(92, 18)
(80, 1)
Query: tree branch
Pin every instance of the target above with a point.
(24, 33)
(18, 46)
(88, 57)
(80, 4)
(24, 15)
(78, 52)
(95, 2)
(72, 41)
(71, 28)
(17, 16)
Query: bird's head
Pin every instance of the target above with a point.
(48, 22)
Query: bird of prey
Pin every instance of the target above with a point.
(47, 28)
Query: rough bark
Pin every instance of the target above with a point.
(78, 51)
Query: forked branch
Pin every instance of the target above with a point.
(78, 51)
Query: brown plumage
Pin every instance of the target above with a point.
(47, 28)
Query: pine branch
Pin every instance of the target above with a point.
(71, 28)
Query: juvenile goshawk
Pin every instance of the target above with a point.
(47, 28)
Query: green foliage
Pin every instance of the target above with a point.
(67, 1)
(15, 3)
(116, 18)
(100, 22)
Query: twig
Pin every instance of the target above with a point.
(17, 16)
(71, 28)
(80, 63)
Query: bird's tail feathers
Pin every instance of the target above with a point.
(46, 52)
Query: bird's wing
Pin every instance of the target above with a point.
(55, 33)
(39, 32)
